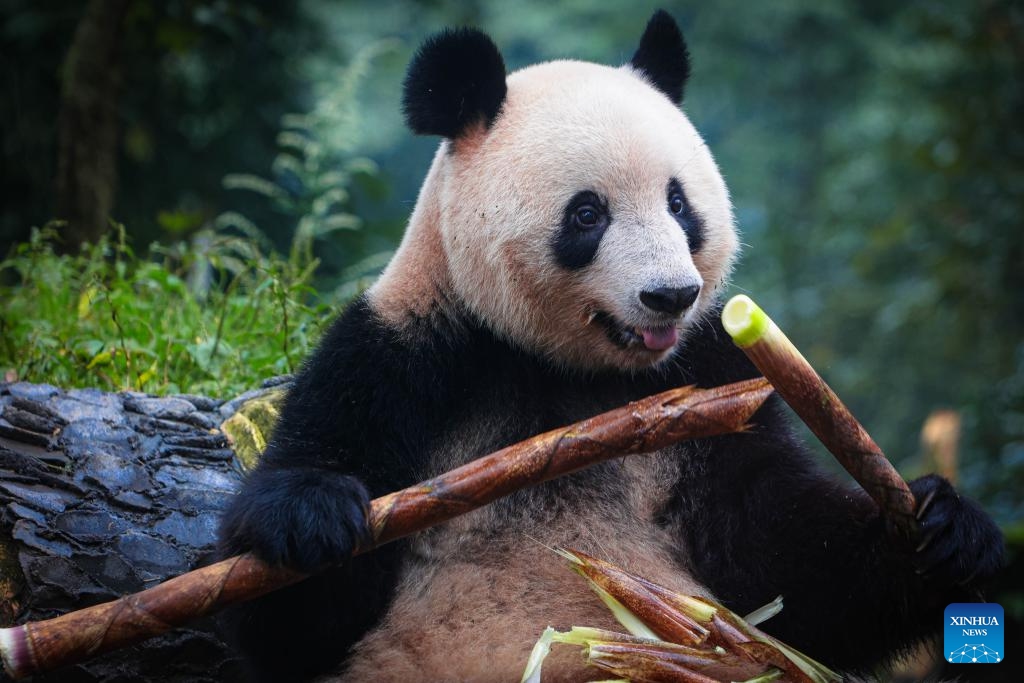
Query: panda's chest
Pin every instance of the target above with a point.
(509, 399)
(638, 487)
(649, 481)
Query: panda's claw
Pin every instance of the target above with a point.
(926, 540)
(923, 506)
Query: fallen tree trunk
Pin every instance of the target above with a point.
(107, 494)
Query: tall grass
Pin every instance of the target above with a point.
(108, 318)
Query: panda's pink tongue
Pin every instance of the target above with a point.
(659, 339)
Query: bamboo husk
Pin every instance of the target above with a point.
(644, 426)
(712, 625)
(675, 638)
(818, 406)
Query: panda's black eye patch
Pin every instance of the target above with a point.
(688, 219)
(584, 221)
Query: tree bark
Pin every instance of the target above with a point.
(107, 494)
(87, 127)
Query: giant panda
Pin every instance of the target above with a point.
(566, 255)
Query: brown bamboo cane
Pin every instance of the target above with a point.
(644, 426)
(820, 408)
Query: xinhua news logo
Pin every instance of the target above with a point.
(973, 633)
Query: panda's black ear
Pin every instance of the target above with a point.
(456, 79)
(662, 55)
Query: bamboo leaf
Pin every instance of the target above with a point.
(253, 183)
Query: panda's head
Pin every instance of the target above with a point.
(580, 214)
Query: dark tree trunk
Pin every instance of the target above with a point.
(106, 494)
(87, 127)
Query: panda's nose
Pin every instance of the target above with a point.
(670, 300)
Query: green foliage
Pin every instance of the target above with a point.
(108, 318)
(217, 312)
(314, 168)
(205, 83)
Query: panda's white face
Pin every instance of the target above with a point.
(589, 222)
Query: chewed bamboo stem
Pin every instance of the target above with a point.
(818, 406)
(644, 426)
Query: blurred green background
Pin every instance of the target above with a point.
(874, 152)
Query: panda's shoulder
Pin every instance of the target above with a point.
(364, 353)
(357, 347)
(410, 375)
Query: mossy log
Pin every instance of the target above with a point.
(104, 494)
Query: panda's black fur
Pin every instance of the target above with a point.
(752, 516)
(463, 81)
(663, 56)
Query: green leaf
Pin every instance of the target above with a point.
(178, 222)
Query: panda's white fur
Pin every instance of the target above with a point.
(494, 197)
(503, 315)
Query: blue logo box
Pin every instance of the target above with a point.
(973, 633)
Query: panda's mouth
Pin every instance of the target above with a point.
(655, 339)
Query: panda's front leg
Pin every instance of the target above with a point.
(349, 430)
(309, 519)
(761, 520)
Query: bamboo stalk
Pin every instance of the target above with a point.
(818, 406)
(640, 427)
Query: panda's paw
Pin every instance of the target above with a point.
(957, 543)
(302, 518)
